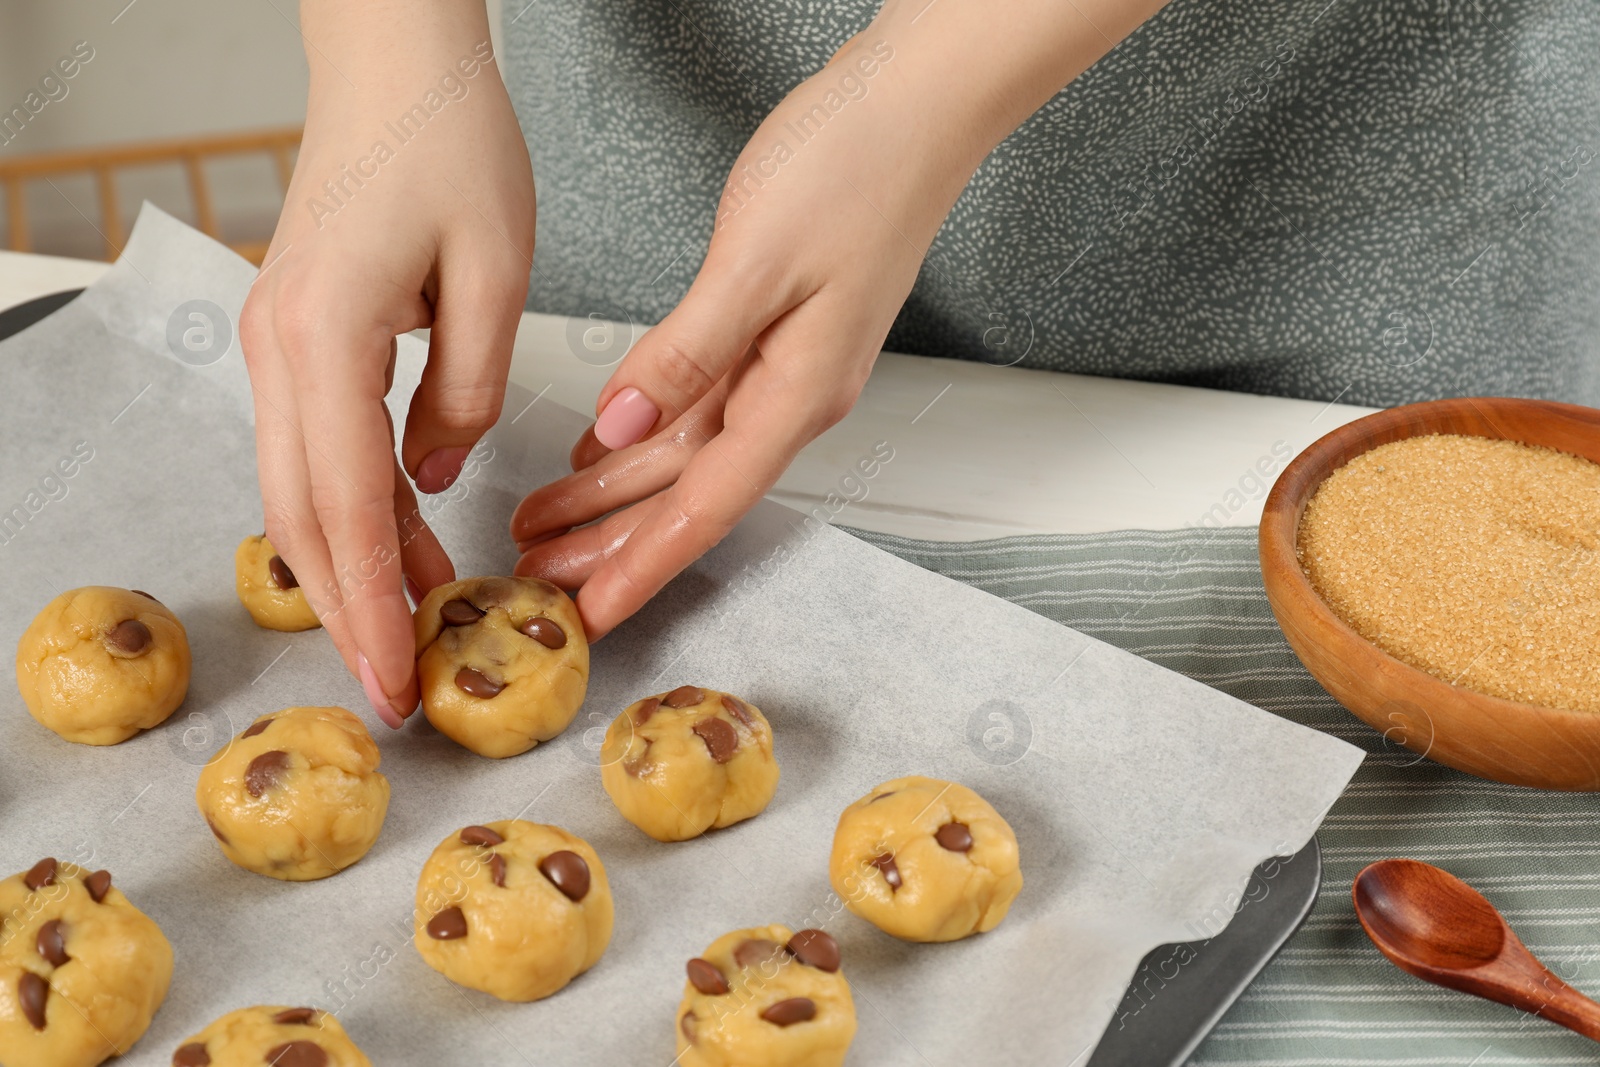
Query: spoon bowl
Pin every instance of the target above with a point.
(1431, 924)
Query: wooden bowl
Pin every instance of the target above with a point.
(1503, 740)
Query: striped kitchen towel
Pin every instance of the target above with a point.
(1192, 601)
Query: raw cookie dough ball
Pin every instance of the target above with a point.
(81, 970)
(503, 663)
(766, 996)
(513, 908)
(271, 1035)
(99, 664)
(268, 588)
(925, 860)
(679, 764)
(297, 795)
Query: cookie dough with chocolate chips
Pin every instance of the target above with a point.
(268, 588)
(82, 971)
(272, 1036)
(503, 663)
(99, 664)
(297, 795)
(925, 860)
(681, 763)
(766, 996)
(513, 908)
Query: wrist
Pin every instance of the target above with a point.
(378, 48)
(975, 72)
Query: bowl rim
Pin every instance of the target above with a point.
(1279, 529)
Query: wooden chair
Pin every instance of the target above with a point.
(190, 153)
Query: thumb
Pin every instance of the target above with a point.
(679, 360)
(464, 382)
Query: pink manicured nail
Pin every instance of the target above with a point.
(440, 468)
(413, 590)
(627, 418)
(375, 694)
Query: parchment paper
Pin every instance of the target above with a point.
(1141, 799)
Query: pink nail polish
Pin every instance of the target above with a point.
(628, 417)
(440, 468)
(413, 590)
(375, 694)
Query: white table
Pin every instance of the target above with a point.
(979, 451)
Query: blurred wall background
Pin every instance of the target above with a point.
(160, 69)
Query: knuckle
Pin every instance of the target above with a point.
(676, 367)
(466, 407)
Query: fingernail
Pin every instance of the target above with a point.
(375, 694)
(548, 535)
(413, 590)
(440, 468)
(628, 417)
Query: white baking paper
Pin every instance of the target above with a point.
(1141, 799)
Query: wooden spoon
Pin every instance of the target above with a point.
(1433, 925)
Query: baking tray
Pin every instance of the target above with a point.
(1179, 991)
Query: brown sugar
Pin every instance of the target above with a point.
(1473, 559)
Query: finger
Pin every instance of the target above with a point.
(682, 358)
(719, 485)
(338, 366)
(288, 515)
(423, 559)
(622, 477)
(570, 559)
(469, 355)
(587, 451)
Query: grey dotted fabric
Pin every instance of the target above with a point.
(1379, 201)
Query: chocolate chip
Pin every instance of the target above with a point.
(218, 834)
(459, 612)
(568, 872)
(891, 873)
(282, 576)
(686, 1024)
(297, 1054)
(756, 951)
(142, 593)
(52, 944)
(722, 740)
(816, 948)
(448, 925)
(98, 884)
(295, 1016)
(481, 835)
(646, 708)
(193, 1054)
(477, 684)
(791, 1011)
(705, 976)
(129, 637)
(32, 992)
(738, 709)
(640, 763)
(257, 728)
(497, 869)
(41, 874)
(545, 631)
(954, 837)
(685, 696)
(266, 771)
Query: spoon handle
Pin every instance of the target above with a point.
(1528, 985)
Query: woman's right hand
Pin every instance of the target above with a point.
(411, 206)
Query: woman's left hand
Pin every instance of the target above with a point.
(822, 227)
